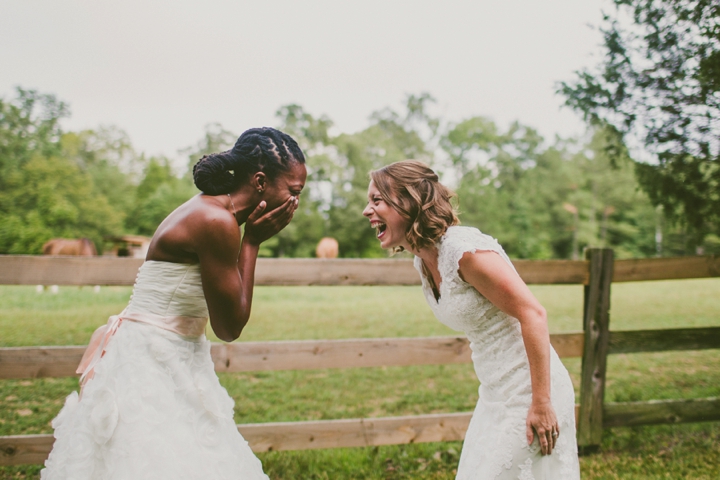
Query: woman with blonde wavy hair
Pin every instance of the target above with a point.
(523, 426)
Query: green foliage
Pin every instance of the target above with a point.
(338, 170)
(659, 83)
(45, 191)
(51, 197)
(159, 193)
(215, 139)
(511, 183)
(152, 209)
(107, 156)
(29, 126)
(520, 193)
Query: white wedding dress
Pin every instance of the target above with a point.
(495, 444)
(152, 406)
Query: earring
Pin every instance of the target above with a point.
(261, 190)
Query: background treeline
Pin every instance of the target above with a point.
(541, 199)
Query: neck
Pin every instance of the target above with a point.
(245, 201)
(428, 255)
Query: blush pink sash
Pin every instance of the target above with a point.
(185, 326)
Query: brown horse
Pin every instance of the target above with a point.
(327, 247)
(67, 246)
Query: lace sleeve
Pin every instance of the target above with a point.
(459, 240)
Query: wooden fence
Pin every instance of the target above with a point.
(593, 344)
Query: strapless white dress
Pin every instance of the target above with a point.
(495, 446)
(152, 406)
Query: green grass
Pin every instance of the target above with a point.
(681, 451)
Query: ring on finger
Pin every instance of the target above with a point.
(554, 434)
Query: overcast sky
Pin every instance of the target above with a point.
(161, 70)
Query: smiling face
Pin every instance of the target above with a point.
(289, 183)
(391, 226)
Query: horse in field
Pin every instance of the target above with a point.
(68, 246)
(327, 247)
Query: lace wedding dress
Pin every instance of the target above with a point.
(151, 406)
(495, 444)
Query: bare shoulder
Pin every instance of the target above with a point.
(211, 223)
(196, 227)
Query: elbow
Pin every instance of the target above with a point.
(535, 315)
(229, 334)
(228, 328)
(226, 337)
(541, 314)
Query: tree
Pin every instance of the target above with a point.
(515, 189)
(659, 85)
(29, 125)
(338, 168)
(109, 158)
(492, 165)
(43, 194)
(52, 197)
(215, 139)
(158, 194)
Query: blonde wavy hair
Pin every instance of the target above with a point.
(415, 192)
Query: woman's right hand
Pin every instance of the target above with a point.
(259, 227)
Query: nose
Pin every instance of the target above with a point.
(368, 211)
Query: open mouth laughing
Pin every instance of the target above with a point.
(381, 227)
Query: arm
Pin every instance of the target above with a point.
(227, 265)
(228, 297)
(502, 286)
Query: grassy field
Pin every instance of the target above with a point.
(682, 451)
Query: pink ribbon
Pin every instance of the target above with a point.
(96, 348)
(184, 326)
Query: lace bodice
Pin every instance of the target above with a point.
(496, 338)
(168, 289)
(495, 442)
(460, 306)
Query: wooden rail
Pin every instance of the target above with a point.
(664, 340)
(37, 362)
(593, 345)
(655, 412)
(47, 270)
(366, 432)
(677, 268)
(265, 437)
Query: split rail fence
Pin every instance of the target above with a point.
(593, 344)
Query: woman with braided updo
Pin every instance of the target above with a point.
(523, 426)
(151, 406)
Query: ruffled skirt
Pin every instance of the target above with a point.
(153, 410)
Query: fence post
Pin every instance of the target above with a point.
(596, 324)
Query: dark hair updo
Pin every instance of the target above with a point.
(263, 149)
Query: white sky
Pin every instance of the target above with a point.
(161, 70)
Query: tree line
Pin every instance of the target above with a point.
(657, 86)
(540, 199)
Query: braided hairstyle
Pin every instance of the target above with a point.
(263, 149)
(415, 192)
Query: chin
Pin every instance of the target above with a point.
(388, 245)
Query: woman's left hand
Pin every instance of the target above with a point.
(259, 227)
(541, 420)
